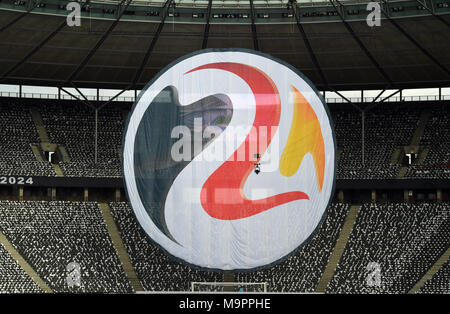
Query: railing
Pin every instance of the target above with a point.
(391, 99)
(63, 96)
(330, 100)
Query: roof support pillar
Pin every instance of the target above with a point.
(347, 100)
(96, 137)
(77, 98)
(388, 97)
(254, 33)
(378, 96)
(362, 136)
(206, 31)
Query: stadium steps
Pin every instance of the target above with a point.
(37, 153)
(338, 248)
(424, 117)
(63, 153)
(23, 263)
(229, 277)
(396, 156)
(431, 272)
(120, 248)
(45, 141)
(422, 155)
(58, 170)
(402, 172)
(40, 127)
(415, 142)
(50, 147)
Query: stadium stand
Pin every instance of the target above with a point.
(387, 127)
(13, 278)
(302, 271)
(155, 269)
(50, 235)
(16, 136)
(73, 125)
(440, 282)
(436, 164)
(403, 239)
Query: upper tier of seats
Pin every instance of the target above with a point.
(74, 127)
(388, 127)
(17, 133)
(436, 137)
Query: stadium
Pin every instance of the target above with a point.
(71, 87)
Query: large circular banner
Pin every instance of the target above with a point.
(229, 159)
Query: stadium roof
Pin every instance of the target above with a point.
(336, 53)
(225, 3)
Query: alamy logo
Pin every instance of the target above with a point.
(373, 278)
(374, 17)
(74, 17)
(191, 143)
(73, 278)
